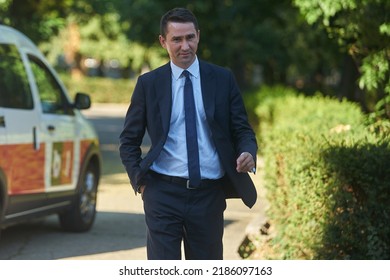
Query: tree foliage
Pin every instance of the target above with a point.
(253, 38)
(362, 28)
(277, 41)
(39, 19)
(258, 37)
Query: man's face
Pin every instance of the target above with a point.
(181, 43)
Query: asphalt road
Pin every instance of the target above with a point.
(119, 231)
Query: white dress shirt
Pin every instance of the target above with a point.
(173, 158)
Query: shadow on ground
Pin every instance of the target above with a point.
(111, 232)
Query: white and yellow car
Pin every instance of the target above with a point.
(49, 153)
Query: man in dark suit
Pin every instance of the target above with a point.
(202, 146)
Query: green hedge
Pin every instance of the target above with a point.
(101, 90)
(327, 178)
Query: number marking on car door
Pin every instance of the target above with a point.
(62, 163)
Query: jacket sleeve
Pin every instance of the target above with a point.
(243, 136)
(131, 137)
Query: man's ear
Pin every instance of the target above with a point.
(162, 41)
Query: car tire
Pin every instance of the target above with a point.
(81, 216)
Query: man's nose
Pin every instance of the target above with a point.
(185, 45)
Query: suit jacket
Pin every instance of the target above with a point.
(150, 109)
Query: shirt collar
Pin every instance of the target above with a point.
(193, 69)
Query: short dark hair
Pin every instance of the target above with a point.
(177, 15)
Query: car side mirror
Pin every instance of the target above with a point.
(82, 101)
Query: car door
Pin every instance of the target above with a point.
(22, 156)
(58, 127)
(2, 129)
(3, 142)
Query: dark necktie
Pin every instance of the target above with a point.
(191, 134)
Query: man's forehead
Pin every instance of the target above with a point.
(180, 29)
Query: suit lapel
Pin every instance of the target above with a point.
(163, 90)
(208, 85)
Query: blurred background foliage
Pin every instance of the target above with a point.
(337, 47)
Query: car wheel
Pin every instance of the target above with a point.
(82, 214)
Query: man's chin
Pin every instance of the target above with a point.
(186, 60)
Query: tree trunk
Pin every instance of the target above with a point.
(349, 83)
(72, 50)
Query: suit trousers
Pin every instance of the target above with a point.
(175, 214)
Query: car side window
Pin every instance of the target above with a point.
(52, 98)
(14, 86)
